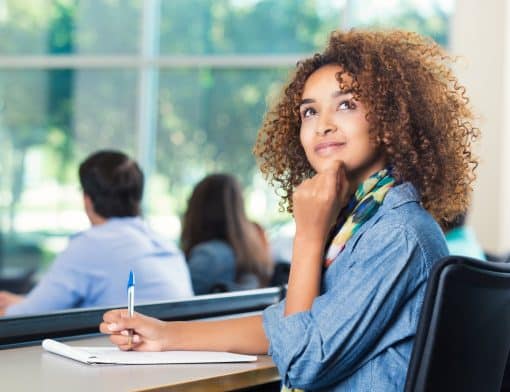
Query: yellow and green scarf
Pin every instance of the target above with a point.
(362, 206)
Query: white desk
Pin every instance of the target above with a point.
(32, 368)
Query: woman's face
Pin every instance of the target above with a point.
(334, 126)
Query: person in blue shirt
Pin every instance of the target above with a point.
(93, 270)
(225, 251)
(370, 143)
(461, 239)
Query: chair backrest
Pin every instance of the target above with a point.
(498, 257)
(463, 336)
(17, 280)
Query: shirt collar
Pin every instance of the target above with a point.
(399, 195)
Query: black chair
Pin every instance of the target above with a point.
(463, 336)
(18, 281)
(280, 274)
(502, 258)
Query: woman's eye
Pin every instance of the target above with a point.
(347, 105)
(307, 112)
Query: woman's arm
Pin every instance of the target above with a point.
(305, 274)
(316, 202)
(241, 335)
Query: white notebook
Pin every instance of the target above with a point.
(112, 355)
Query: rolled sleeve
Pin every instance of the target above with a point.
(367, 296)
(286, 337)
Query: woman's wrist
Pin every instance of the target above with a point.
(171, 335)
(305, 273)
(309, 238)
(308, 247)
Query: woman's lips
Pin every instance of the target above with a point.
(328, 147)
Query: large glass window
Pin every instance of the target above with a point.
(181, 85)
(246, 27)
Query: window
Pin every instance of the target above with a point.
(181, 85)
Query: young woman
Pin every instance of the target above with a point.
(225, 251)
(370, 141)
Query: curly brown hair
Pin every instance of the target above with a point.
(417, 111)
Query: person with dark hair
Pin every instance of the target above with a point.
(94, 268)
(112, 185)
(371, 142)
(225, 251)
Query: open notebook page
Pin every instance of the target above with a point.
(112, 355)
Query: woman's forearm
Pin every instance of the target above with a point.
(240, 335)
(305, 275)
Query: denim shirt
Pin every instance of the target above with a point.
(359, 333)
(212, 264)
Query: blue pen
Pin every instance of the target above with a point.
(131, 301)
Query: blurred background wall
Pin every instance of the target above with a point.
(480, 34)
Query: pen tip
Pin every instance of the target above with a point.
(131, 280)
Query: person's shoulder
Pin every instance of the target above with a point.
(81, 237)
(214, 247)
(129, 228)
(400, 219)
(402, 207)
(402, 231)
(98, 237)
(211, 262)
(403, 216)
(79, 248)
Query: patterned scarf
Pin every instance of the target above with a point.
(362, 206)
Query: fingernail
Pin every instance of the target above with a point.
(136, 339)
(124, 333)
(112, 327)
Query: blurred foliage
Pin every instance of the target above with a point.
(432, 21)
(250, 27)
(207, 117)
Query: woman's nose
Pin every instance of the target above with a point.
(324, 127)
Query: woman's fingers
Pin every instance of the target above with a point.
(118, 320)
(113, 315)
(143, 332)
(331, 166)
(103, 328)
(112, 328)
(123, 340)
